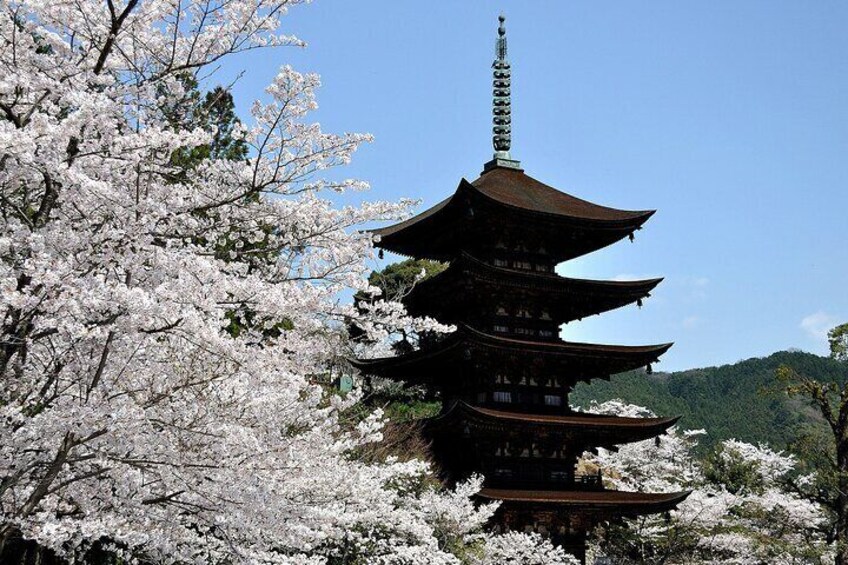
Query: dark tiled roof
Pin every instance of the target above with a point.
(414, 220)
(466, 334)
(614, 498)
(575, 419)
(586, 360)
(514, 188)
(548, 281)
(567, 347)
(575, 427)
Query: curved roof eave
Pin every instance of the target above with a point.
(598, 498)
(578, 419)
(414, 220)
(645, 285)
(465, 333)
(530, 196)
(518, 190)
(571, 346)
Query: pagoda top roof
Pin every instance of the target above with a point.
(513, 191)
(514, 188)
(582, 419)
(635, 502)
(414, 220)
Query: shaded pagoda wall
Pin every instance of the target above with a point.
(516, 385)
(541, 463)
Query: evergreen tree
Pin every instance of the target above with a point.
(826, 454)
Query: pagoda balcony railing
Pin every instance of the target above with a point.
(589, 480)
(541, 479)
(591, 484)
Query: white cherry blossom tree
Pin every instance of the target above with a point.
(168, 334)
(740, 510)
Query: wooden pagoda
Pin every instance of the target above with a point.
(505, 375)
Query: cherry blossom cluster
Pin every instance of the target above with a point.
(170, 333)
(742, 509)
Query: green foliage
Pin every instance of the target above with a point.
(732, 401)
(18, 551)
(395, 281)
(404, 408)
(408, 411)
(212, 111)
(823, 451)
(838, 339)
(216, 111)
(724, 467)
(398, 278)
(400, 403)
(816, 452)
(245, 319)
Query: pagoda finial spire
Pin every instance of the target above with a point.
(501, 105)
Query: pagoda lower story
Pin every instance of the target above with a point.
(506, 416)
(567, 517)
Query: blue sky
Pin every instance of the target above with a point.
(730, 118)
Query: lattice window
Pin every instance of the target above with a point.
(553, 400)
(500, 328)
(559, 475)
(502, 396)
(502, 379)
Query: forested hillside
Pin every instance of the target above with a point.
(731, 401)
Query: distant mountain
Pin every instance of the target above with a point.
(732, 401)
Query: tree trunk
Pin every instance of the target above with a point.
(842, 531)
(17, 551)
(842, 500)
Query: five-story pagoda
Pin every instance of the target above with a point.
(504, 376)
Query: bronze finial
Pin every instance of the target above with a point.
(501, 104)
